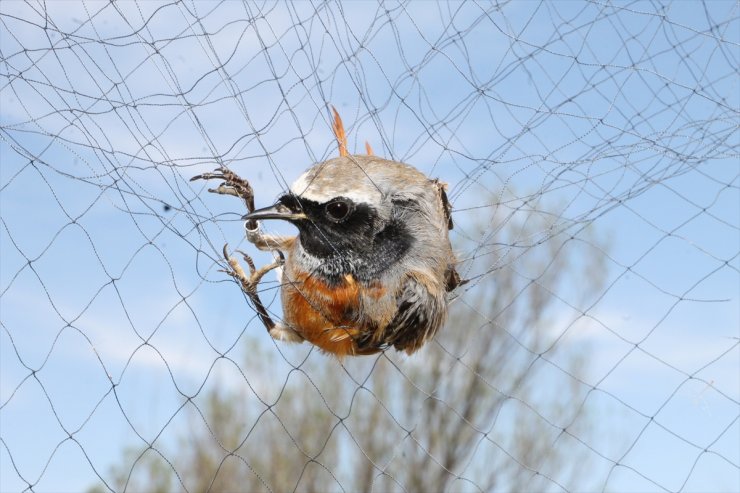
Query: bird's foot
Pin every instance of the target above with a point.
(249, 282)
(232, 184)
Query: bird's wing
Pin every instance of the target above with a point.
(446, 205)
(418, 315)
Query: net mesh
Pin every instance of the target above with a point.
(591, 151)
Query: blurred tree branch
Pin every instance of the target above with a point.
(471, 412)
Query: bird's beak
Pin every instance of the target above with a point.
(276, 211)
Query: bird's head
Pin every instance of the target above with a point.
(357, 215)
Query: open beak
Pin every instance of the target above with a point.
(276, 211)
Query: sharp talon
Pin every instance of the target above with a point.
(239, 187)
(249, 262)
(245, 256)
(208, 176)
(232, 184)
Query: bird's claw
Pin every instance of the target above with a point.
(237, 186)
(233, 184)
(235, 270)
(249, 282)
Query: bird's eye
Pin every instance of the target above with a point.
(338, 209)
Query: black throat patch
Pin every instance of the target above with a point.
(358, 245)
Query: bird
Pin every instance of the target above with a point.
(371, 265)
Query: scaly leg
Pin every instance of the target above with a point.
(249, 286)
(269, 243)
(235, 185)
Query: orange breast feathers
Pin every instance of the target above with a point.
(327, 316)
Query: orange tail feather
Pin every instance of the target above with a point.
(338, 128)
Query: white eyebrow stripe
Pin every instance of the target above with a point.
(300, 185)
(327, 195)
(322, 190)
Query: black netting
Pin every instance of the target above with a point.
(591, 151)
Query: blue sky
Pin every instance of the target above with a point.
(620, 117)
